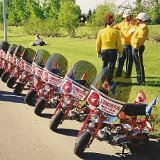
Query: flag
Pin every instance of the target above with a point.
(141, 98)
(151, 105)
(113, 88)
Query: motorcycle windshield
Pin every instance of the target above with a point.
(57, 64)
(28, 55)
(119, 88)
(19, 51)
(12, 49)
(41, 57)
(82, 72)
(4, 46)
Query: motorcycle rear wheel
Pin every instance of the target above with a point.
(18, 89)
(56, 120)
(39, 107)
(11, 82)
(5, 76)
(82, 143)
(30, 98)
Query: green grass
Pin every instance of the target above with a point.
(83, 49)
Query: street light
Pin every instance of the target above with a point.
(5, 20)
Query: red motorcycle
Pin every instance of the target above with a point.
(75, 88)
(4, 46)
(39, 63)
(54, 72)
(27, 69)
(106, 109)
(15, 72)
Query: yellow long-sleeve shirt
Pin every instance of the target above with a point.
(108, 38)
(140, 35)
(127, 29)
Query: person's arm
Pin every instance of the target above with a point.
(119, 44)
(98, 44)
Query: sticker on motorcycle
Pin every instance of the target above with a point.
(27, 67)
(74, 90)
(38, 71)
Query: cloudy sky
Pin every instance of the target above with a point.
(85, 5)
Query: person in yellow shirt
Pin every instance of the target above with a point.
(108, 43)
(137, 42)
(127, 28)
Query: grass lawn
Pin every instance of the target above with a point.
(83, 49)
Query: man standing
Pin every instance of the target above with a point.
(108, 43)
(127, 28)
(137, 42)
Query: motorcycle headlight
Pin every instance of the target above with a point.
(67, 100)
(94, 118)
(23, 76)
(47, 88)
(64, 105)
(91, 125)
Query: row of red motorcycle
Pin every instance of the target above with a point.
(78, 93)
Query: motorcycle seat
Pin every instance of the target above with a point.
(135, 109)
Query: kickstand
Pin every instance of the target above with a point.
(123, 148)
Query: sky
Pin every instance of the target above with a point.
(86, 5)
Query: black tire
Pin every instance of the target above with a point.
(1, 71)
(18, 89)
(56, 120)
(5, 76)
(30, 98)
(39, 107)
(11, 82)
(82, 143)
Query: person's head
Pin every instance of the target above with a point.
(142, 17)
(109, 19)
(37, 35)
(128, 14)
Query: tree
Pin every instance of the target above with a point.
(68, 16)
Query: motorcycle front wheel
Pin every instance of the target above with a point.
(39, 107)
(5, 76)
(11, 82)
(30, 98)
(82, 143)
(56, 120)
(18, 89)
(1, 71)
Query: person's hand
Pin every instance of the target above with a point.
(99, 55)
(120, 55)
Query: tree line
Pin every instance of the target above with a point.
(52, 16)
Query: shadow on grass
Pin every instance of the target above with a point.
(11, 97)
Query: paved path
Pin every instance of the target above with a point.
(25, 136)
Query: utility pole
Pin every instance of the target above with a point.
(5, 20)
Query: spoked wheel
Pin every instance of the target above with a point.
(1, 71)
(11, 82)
(56, 120)
(82, 143)
(30, 98)
(5, 76)
(39, 107)
(18, 88)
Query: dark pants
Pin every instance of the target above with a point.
(127, 55)
(138, 60)
(109, 58)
